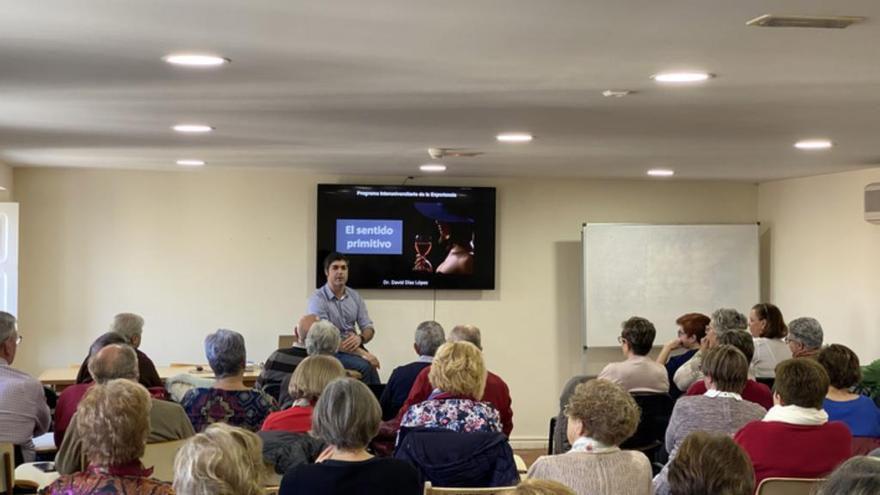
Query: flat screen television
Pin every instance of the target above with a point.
(409, 237)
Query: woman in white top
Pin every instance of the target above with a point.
(768, 328)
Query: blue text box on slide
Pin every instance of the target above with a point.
(369, 236)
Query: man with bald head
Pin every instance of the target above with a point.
(284, 361)
(168, 421)
(496, 393)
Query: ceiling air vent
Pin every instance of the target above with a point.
(804, 21)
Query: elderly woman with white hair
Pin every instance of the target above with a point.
(347, 417)
(222, 460)
(229, 400)
(723, 320)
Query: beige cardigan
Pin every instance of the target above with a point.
(620, 472)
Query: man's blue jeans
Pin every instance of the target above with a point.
(369, 375)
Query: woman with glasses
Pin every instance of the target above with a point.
(638, 373)
(691, 330)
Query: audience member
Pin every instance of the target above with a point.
(539, 487)
(114, 419)
(322, 340)
(560, 430)
(496, 393)
(638, 373)
(870, 384)
(753, 391)
(795, 438)
(229, 400)
(168, 421)
(857, 411)
(710, 464)
(721, 409)
(804, 337)
(24, 413)
(130, 327)
(857, 476)
(601, 415)
(723, 320)
(222, 460)
(306, 386)
(281, 363)
(768, 328)
(458, 376)
(429, 336)
(70, 397)
(347, 417)
(691, 330)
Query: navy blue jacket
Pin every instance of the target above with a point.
(397, 389)
(451, 459)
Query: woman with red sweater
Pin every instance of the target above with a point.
(309, 379)
(795, 438)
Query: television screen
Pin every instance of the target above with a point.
(409, 237)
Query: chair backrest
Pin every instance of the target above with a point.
(788, 486)
(656, 409)
(7, 469)
(160, 456)
(432, 490)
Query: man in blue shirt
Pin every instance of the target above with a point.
(345, 308)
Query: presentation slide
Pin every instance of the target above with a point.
(409, 236)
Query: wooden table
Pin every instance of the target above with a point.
(61, 378)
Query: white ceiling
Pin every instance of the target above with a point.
(358, 87)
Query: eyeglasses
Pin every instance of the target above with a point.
(620, 339)
(681, 332)
(18, 339)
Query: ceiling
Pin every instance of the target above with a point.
(355, 87)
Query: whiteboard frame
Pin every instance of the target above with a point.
(584, 260)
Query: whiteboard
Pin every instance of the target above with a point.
(661, 272)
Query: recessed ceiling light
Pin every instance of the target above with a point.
(433, 167)
(195, 60)
(193, 128)
(661, 172)
(514, 137)
(682, 77)
(813, 144)
(191, 163)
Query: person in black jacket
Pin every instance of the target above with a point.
(347, 417)
(429, 337)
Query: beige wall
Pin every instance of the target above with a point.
(821, 258)
(196, 250)
(5, 182)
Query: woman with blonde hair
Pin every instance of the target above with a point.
(601, 415)
(114, 421)
(458, 375)
(306, 386)
(222, 460)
